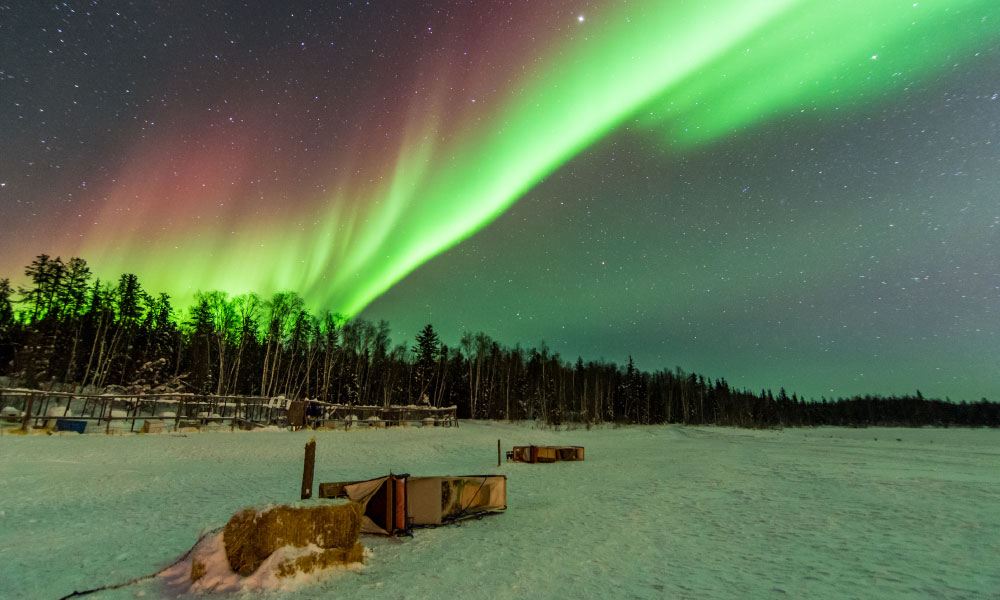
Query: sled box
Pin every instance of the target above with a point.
(395, 504)
(546, 454)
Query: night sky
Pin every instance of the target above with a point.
(780, 192)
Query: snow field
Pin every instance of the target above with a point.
(653, 512)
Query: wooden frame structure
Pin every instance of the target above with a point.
(115, 413)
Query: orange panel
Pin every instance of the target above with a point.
(400, 520)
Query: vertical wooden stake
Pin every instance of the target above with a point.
(498, 453)
(27, 413)
(308, 468)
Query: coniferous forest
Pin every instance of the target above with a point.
(65, 329)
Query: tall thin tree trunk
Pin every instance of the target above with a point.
(220, 384)
(72, 354)
(263, 376)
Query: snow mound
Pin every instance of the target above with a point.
(206, 570)
(10, 411)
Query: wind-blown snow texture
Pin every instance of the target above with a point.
(654, 512)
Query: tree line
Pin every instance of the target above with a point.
(67, 329)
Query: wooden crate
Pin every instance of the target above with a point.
(152, 426)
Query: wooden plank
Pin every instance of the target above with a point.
(307, 470)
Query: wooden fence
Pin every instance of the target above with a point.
(116, 413)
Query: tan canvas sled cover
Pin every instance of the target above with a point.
(396, 503)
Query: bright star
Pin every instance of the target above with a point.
(579, 18)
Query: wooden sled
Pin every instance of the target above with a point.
(545, 454)
(397, 503)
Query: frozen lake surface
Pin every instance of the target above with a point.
(653, 512)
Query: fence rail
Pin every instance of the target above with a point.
(116, 413)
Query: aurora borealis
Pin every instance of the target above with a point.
(782, 192)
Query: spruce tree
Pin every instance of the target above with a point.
(426, 353)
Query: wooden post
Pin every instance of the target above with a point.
(135, 413)
(45, 411)
(308, 468)
(27, 413)
(111, 411)
(498, 453)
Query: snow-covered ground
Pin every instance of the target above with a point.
(653, 512)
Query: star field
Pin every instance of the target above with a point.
(784, 194)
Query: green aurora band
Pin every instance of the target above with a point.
(689, 72)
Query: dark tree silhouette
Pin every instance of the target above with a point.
(65, 330)
(425, 362)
